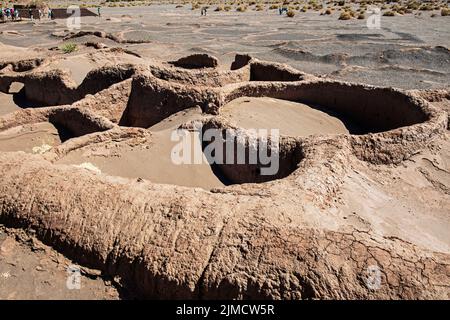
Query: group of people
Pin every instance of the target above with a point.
(14, 14)
(9, 13)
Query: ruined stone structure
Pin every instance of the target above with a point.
(246, 241)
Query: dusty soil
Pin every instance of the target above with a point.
(364, 172)
(32, 138)
(291, 118)
(7, 103)
(31, 270)
(147, 161)
(408, 51)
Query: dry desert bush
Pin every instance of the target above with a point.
(69, 47)
(345, 15)
(290, 13)
(349, 8)
(389, 13)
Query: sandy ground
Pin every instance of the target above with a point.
(153, 161)
(291, 118)
(407, 51)
(7, 104)
(31, 270)
(410, 201)
(177, 119)
(32, 138)
(78, 65)
(150, 161)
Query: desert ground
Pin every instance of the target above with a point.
(87, 178)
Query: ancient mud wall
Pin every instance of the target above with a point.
(72, 120)
(109, 103)
(391, 123)
(241, 241)
(22, 65)
(152, 100)
(61, 13)
(289, 153)
(56, 87)
(78, 122)
(211, 78)
(265, 71)
(145, 234)
(196, 61)
(102, 78)
(44, 88)
(375, 109)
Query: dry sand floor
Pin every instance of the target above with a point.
(291, 118)
(35, 138)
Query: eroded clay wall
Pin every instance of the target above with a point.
(372, 109)
(263, 71)
(74, 123)
(152, 100)
(289, 154)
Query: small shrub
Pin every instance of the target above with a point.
(361, 16)
(389, 14)
(290, 13)
(69, 47)
(345, 16)
(445, 12)
(328, 11)
(413, 5)
(426, 7)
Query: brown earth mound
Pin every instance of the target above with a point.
(195, 61)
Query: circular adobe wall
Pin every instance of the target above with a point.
(241, 241)
(395, 123)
